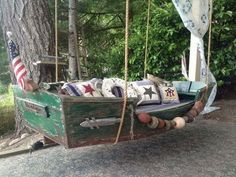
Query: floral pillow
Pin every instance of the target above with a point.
(147, 92)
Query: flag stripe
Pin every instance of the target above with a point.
(18, 69)
(16, 61)
(21, 75)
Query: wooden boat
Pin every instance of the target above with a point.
(79, 121)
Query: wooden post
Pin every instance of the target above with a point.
(194, 60)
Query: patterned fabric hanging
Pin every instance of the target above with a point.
(197, 24)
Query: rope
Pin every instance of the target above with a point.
(126, 70)
(132, 123)
(146, 43)
(209, 40)
(56, 43)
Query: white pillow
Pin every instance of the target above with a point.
(147, 92)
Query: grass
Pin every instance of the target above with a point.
(7, 112)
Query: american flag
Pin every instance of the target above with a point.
(19, 68)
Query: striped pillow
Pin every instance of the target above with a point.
(86, 89)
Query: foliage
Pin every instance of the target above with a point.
(223, 60)
(7, 112)
(165, 32)
(2, 88)
(4, 74)
(103, 24)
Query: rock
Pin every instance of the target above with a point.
(24, 135)
(14, 141)
(3, 145)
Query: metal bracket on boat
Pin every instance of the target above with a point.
(37, 108)
(96, 123)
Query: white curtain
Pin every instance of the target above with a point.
(197, 23)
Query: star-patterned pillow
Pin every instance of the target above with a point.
(147, 92)
(86, 89)
(168, 94)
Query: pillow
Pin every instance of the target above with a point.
(114, 87)
(168, 94)
(86, 89)
(97, 83)
(147, 92)
(71, 89)
(117, 91)
(156, 80)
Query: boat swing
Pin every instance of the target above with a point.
(74, 121)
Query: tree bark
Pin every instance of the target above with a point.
(30, 25)
(74, 63)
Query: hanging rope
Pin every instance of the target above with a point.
(126, 70)
(209, 40)
(56, 43)
(146, 43)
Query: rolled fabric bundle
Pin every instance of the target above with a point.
(190, 119)
(190, 115)
(193, 112)
(199, 106)
(173, 123)
(144, 118)
(154, 123)
(185, 118)
(180, 122)
(168, 124)
(161, 124)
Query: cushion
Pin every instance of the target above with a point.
(117, 91)
(86, 89)
(147, 92)
(97, 83)
(156, 80)
(182, 86)
(114, 87)
(168, 94)
(71, 89)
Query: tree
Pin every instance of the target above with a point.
(30, 23)
(73, 49)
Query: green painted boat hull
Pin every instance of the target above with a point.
(60, 118)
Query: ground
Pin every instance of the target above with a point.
(227, 104)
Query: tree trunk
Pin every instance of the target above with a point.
(30, 25)
(74, 63)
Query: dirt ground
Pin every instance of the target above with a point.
(226, 101)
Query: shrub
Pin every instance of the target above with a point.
(7, 112)
(2, 88)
